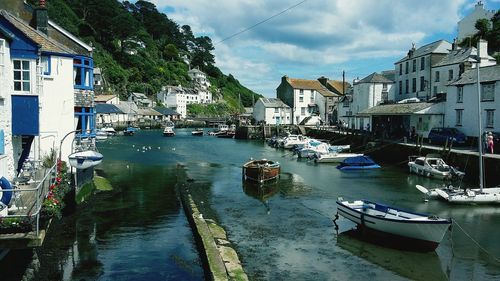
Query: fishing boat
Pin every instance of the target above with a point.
(292, 140)
(197, 132)
(221, 129)
(110, 131)
(168, 132)
(358, 163)
(432, 166)
(261, 170)
(423, 229)
(459, 195)
(85, 159)
(333, 157)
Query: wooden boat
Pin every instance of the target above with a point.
(85, 159)
(197, 132)
(423, 229)
(358, 163)
(168, 132)
(261, 170)
(432, 166)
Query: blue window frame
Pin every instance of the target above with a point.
(46, 65)
(83, 72)
(85, 117)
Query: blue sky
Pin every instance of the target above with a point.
(318, 37)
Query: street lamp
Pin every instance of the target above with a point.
(62, 140)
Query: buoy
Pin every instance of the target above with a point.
(6, 191)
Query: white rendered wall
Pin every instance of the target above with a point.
(6, 88)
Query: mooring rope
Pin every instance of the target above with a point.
(475, 242)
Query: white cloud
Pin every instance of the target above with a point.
(317, 34)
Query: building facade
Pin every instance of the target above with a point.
(466, 26)
(173, 97)
(272, 111)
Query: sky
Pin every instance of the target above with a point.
(315, 38)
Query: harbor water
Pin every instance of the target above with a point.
(281, 231)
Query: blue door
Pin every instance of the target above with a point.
(25, 115)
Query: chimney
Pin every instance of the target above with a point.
(454, 44)
(483, 49)
(323, 80)
(41, 17)
(412, 50)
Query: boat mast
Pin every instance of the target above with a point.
(480, 139)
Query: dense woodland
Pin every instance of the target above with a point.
(112, 27)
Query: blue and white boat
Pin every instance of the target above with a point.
(423, 229)
(85, 159)
(358, 163)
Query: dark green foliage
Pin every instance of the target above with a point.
(489, 31)
(140, 50)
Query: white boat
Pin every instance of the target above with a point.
(292, 140)
(333, 157)
(168, 132)
(472, 195)
(85, 159)
(426, 230)
(310, 149)
(432, 166)
(109, 130)
(101, 135)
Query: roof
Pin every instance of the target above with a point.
(273, 103)
(103, 98)
(105, 108)
(166, 111)
(310, 85)
(375, 78)
(396, 109)
(337, 86)
(139, 95)
(45, 43)
(486, 74)
(127, 107)
(148, 111)
(389, 74)
(437, 47)
(457, 56)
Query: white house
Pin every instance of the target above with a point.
(368, 92)
(450, 67)
(272, 111)
(173, 97)
(201, 85)
(141, 100)
(310, 97)
(462, 101)
(413, 72)
(129, 110)
(466, 26)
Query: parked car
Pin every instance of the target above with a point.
(440, 135)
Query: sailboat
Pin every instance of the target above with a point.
(475, 195)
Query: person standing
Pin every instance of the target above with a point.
(489, 141)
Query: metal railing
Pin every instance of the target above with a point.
(28, 197)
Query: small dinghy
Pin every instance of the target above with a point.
(358, 163)
(424, 229)
(261, 170)
(85, 159)
(197, 132)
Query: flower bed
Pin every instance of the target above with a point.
(53, 204)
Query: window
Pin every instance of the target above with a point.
(460, 94)
(21, 75)
(414, 68)
(400, 87)
(400, 69)
(83, 69)
(488, 92)
(450, 74)
(311, 100)
(2, 53)
(437, 76)
(301, 92)
(301, 99)
(45, 64)
(406, 86)
(406, 68)
(276, 110)
(302, 110)
(384, 87)
(490, 116)
(413, 85)
(458, 120)
(422, 63)
(422, 83)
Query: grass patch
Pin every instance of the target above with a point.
(102, 184)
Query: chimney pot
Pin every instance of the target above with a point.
(41, 4)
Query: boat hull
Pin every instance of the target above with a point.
(420, 228)
(261, 171)
(334, 157)
(428, 172)
(471, 196)
(85, 159)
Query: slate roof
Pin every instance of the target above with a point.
(486, 74)
(46, 43)
(127, 107)
(375, 78)
(148, 112)
(310, 85)
(166, 111)
(103, 98)
(396, 109)
(337, 86)
(273, 103)
(437, 47)
(104, 108)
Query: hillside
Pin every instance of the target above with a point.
(163, 47)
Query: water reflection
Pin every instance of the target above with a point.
(416, 266)
(261, 192)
